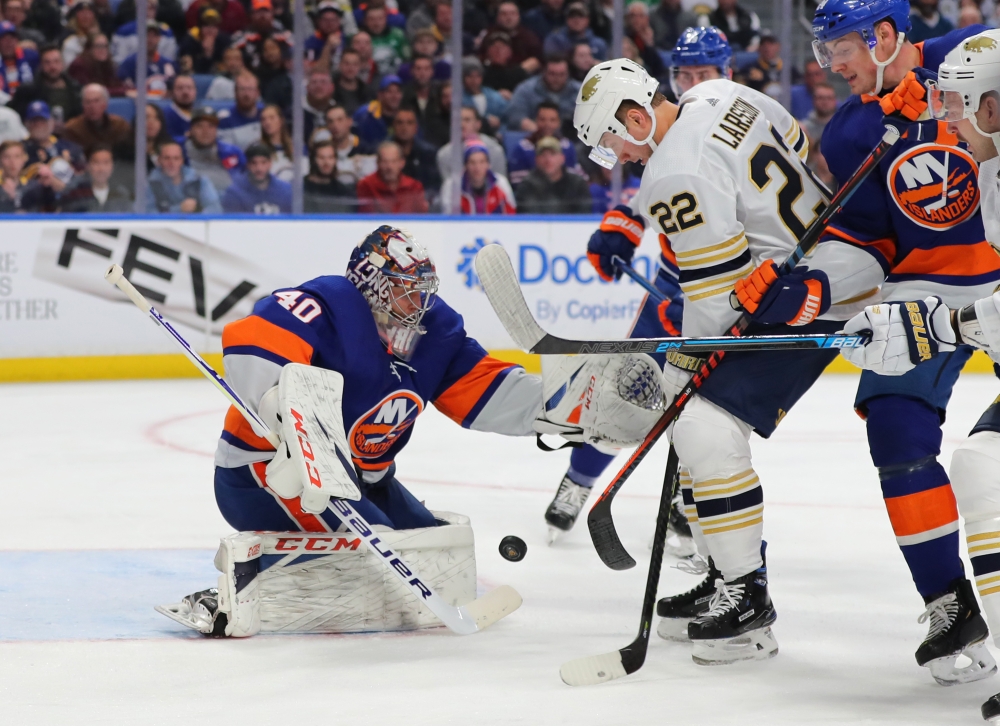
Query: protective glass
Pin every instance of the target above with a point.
(841, 50)
(946, 105)
(608, 149)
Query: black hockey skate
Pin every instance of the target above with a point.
(738, 623)
(565, 508)
(199, 611)
(956, 628)
(991, 709)
(679, 541)
(677, 611)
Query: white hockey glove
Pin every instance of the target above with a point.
(626, 396)
(902, 335)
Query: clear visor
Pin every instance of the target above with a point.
(946, 105)
(608, 149)
(841, 50)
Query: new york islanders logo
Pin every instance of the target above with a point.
(934, 185)
(374, 433)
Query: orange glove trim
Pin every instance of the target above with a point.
(752, 288)
(810, 308)
(615, 221)
(595, 260)
(661, 312)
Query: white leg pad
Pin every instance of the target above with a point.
(237, 560)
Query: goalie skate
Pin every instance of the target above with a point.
(956, 629)
(197, 611)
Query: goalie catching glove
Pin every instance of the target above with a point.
(619, 234)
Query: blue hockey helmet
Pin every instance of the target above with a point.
(837, 18)
(704, 46)
(397, 277)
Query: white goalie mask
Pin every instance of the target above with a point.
(602, 92)
(970, 70)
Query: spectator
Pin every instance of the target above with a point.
(764, 74)
(576, 30)
(105, 17)
(420, 157)
(275, 82)
(14, 12)
(417, 91)
(824, 106)
(95, 125)
(389, 45)
(325, 47)
(319, 98)
(81, 21)
(20, 192)
(43, 146)
(802, 93)
(553, 84)
(202, 47)
(639, 30)
(93, 191)
(421, 17)
(362, 45)
(94, 65)
(601, 200)
(969, 15)
(45, 18)
(322, 193)
(581, 61)
(223, 86)
(525, 46)
(483, 191)
(178, 189)
(52, 85)
(927, 21)
(355, 159)
(19, 63)
(489, 104)
(169, 13)
(258, 191)
(426, 43)
(669, 20)
(159, 70)
(348, 90)
(548, 125)
(545, 18)
(215, 160)
(499, 69)
(262, 26)
(125, 43)
(373, 121)
(389, 190)
(471, 126)
(549, 189)
(442, 30)
(741, 26)
(156, 136)
(178, 114)
(275, 136)
(240, 125)
(233, 17)
(436, 125)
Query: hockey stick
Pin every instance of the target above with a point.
(617, 664)
(510, 306)
(639, 279)
(465, 619)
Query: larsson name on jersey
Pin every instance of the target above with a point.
(736, 123)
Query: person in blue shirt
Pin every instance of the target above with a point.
(258, 191)
(178, 189)
(159, 69)
(19, 64)
(183, 94)
(373, 120)
(576, 30)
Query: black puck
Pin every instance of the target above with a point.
(513, 548)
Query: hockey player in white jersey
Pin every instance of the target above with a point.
(725, 180)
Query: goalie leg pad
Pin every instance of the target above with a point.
(239, 599)
(715, 446)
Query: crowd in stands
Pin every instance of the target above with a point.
(377, 102)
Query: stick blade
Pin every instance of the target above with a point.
(605, 538)
(493, 606)
(593, 669)
(499, 280)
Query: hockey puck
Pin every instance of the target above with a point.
(513, 548)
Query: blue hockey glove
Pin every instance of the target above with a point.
(797, 298)
(619, 234)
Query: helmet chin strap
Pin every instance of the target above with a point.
(880, 66)
(648, 141)
(994, 137)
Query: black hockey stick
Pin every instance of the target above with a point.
(608, 666)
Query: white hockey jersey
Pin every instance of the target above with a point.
(729, 187)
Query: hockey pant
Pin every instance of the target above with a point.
(247, 504)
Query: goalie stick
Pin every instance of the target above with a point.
(508, 303)
(464, 619)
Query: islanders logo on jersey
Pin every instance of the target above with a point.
(935, 185)
(374, 433)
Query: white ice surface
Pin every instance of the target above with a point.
(108, 504)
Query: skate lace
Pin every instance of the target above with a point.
(694, 565)
(570, 498)
(941, 613)
(726, 597)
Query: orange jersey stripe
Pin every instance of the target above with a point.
(957, 260)
(886, 247)
(257, 332)
(237, 426)
(667, 250)
(462, 396)
(922, 511)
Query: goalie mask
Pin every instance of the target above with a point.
(397, 277)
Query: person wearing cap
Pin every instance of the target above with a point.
(326, 45)
(526, 47)
(177, 114)
(258, 191)
(202, 47)
(262, 25)
(389, 45)
(548, 124)
(81, 21)
(232, 16)
(217, 161)
(389, 190)
(488, 102)
(19, 64)
(500, 71)
(94, 191)
(125, 42)
(240, 125)
(764, 74)
(471, 127)
(741, 26)
(175, 188)
(483, 190)
(550, 188)
(576, 30)
(43, 146)
(52, 85)
(552, 84)
(544, 18)
(159, 70)
(373, 120)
